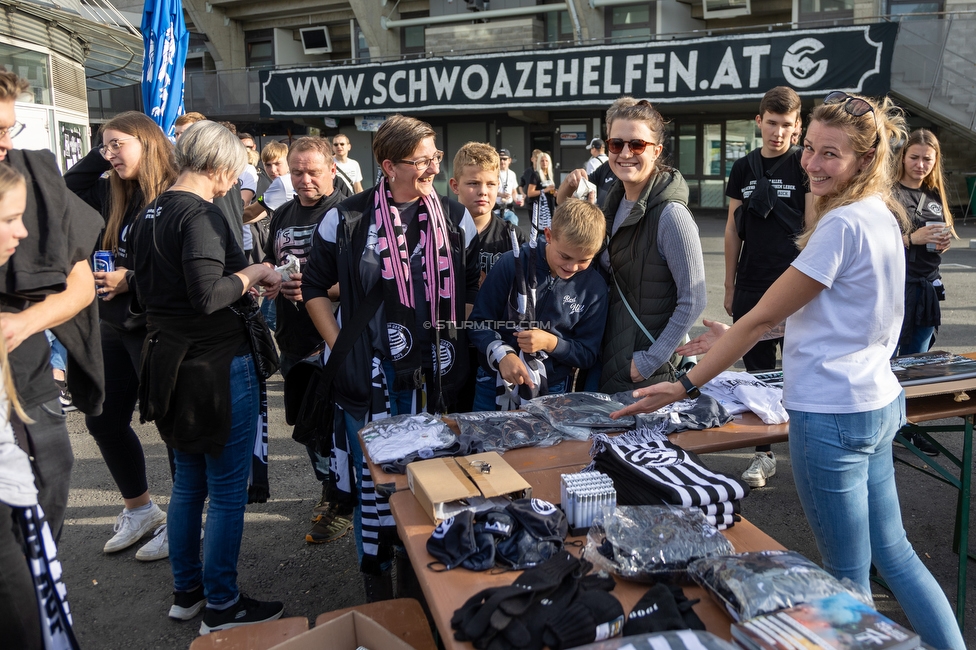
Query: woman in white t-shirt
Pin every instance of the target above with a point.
(844, 299)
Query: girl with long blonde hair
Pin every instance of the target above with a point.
(139, 163)
(843, 298)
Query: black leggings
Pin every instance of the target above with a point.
(112, 429)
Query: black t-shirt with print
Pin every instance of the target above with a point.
(185, 252)
(768, 248)
(922, 206)
(495, 242)
(290, 233)
(603, 177)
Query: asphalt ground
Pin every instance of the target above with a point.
(119, 602)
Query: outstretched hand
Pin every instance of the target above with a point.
(702, 343)
(652, 398)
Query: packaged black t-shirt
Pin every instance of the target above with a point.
(290, 233)
(768, 248)
(175, 239)
(495, 242)
(922, 206)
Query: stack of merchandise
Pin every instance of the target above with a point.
(648, 470)
(653, 543)
(751, 584)
(579, 414)
(685, 640)
(703, 412)
(740, 392)
(503, 430)
(838, 622)
(554, 604)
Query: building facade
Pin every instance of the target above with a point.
(539, 74)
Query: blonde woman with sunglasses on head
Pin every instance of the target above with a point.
(843, 297)
(654, 256)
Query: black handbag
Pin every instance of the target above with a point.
(266, 361)
(313, 415)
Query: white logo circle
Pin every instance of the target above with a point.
(401, 342)
(544, 508)
(442, 528)
(935, 208)
(644, 457)
(446, 358)
(798, 68)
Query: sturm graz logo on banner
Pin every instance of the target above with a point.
(739, 67)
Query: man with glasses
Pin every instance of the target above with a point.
(508, 189)
(347, 169)
(47, 284)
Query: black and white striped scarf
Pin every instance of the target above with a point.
(45, 568)
(258, 487)
(522, 309)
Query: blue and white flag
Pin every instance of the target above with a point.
(165, 38)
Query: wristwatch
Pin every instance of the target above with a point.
(690, 388)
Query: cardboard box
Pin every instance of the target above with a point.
(443, 485)
(347, 632)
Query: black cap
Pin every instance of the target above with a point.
(504, 153)
(597, 143)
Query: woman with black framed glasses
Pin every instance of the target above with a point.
(413, 256)
(843, 297)
(654, 256)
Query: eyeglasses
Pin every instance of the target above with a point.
(424, 163)
(13, 130)
(636, 146)
(114, 146)
(854, 106)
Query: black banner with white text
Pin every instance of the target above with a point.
(738, 67)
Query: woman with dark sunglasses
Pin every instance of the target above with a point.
(654, 256)
(843, 297)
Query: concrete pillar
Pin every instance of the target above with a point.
(226, 42)
(382, 42)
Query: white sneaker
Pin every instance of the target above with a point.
(155, 549)
(131, 527)
(158, 547)
(762, 467)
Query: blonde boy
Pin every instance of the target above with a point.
(475, 182)
(570, 306)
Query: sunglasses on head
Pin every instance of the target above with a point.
(854, 106)
(636, 146)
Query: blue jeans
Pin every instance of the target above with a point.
(845, 478)
(224, 479)
(484, 390)
(59, 356)
(919, 341)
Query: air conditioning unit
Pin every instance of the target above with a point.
(315, 40)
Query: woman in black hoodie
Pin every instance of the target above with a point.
(133, 165)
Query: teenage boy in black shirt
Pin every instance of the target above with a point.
(758, 249)
(313, 171)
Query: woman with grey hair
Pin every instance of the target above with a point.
(198, 379)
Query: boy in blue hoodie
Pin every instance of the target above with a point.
(527, 346)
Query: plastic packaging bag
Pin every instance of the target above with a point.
(395, 437)
(652, 543)
(501, 431)
(750, 584)
(577, 413)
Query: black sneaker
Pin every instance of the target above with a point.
(65, 397)
(921, 443)
(246, 611)
(187, 604)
